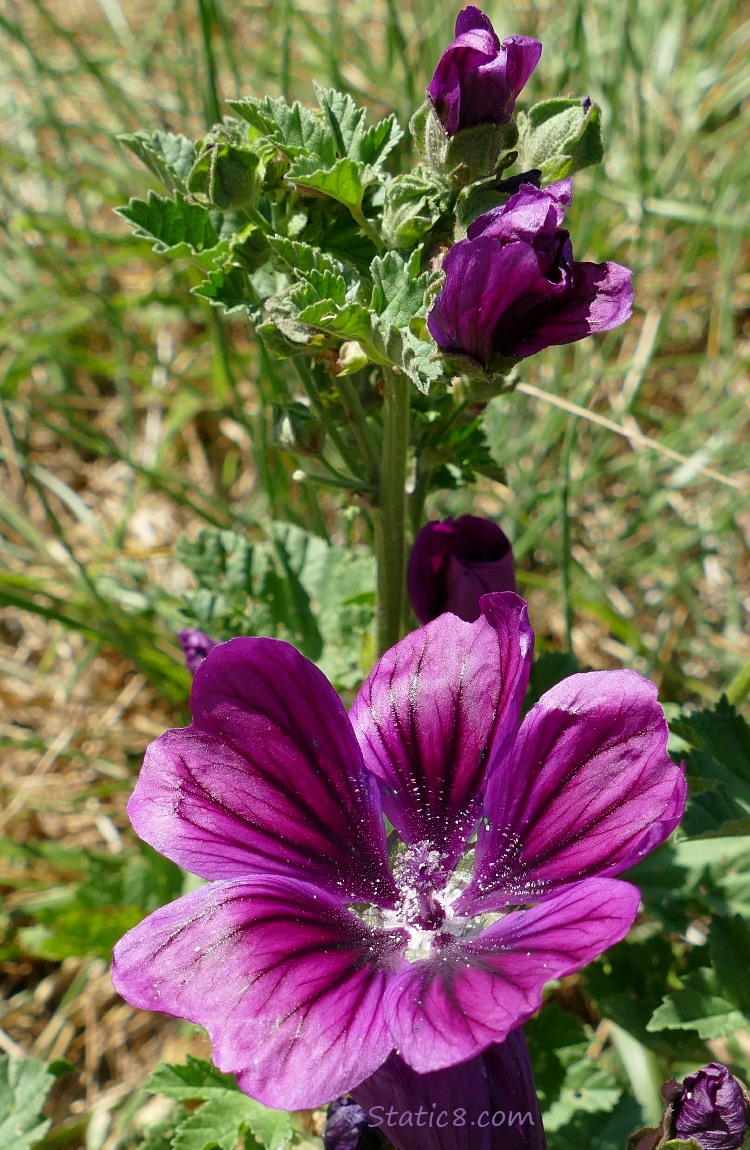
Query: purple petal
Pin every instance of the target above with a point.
(599, 298)
(268, 778)
(483, 280)
(288, 983)
(469, 994)
(712, 1108)
(478, 79)
(527, 214)
(588, 790)
(431, 711)
(454, 562)
(195, 646)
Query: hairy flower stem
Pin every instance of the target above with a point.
(390, 515)
(361, 431)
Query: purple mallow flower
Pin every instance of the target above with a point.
(454, 562)
(195, 646)
(477, 78)
(310, 956)
(346, 1122)
(512, 287)
(711, 1108)
(487, 1103)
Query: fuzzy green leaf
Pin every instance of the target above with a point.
(701, 1005)
(346, 181)
(169, 157)
(176, 227)
(196, 1080)
(24, 1085)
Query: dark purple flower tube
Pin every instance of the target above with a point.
(454, 562)
(487, 1103)
(711, 1108)
(478, 79)
(512, 287)
(195, 646)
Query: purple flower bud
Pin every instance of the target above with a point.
(195, 646)
(345, 1122)
(512, 287)
(711, 1108)
(456, 561)
(477, 78)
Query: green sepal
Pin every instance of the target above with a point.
(227, 173)
(560, 137)
(471, 155)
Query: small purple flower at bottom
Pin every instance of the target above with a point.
(453, 562)
(195, 646)
(512, 286)
(314, 953)
(711, 1108)
(488, 1103)
(478, 79)
(346, 1122)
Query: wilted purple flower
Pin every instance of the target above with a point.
(477, 78)
(711, 1108)
(454, 562)
(308, 957)
(512, 287)
(195, 646)
(487, 1103)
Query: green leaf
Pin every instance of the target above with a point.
(345, 121)
(294, 129)
(560, 137)
(176, 227)
(196, 1080)
(302, 258)
(169, 157)
(700, 1005)
(414, 202)
(24, 1085)
(230, 288)
(718, 766)
(550, 1031)
(379, 140)
(346, 181)
(399, 290)
(729, 941)
(587, 1088)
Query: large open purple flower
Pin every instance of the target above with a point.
(478, 78)
(320, 946)
(512, 287)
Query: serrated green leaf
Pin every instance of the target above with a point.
(718, 766)
(302, 258)
(398, 293)
(700, 1005)
(193, 1081)
(345, 121)
(168, 156)
(414, 202)
(345, 181)
(176, 227)
(24, 1085)
(229, 288)
(294, 129)
(216, 1125)
(379, 140)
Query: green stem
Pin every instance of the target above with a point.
(739, 688)
(567, 454)
(369, 229)
(390, 514)
(361, 430)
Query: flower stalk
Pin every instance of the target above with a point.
(390, 514)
